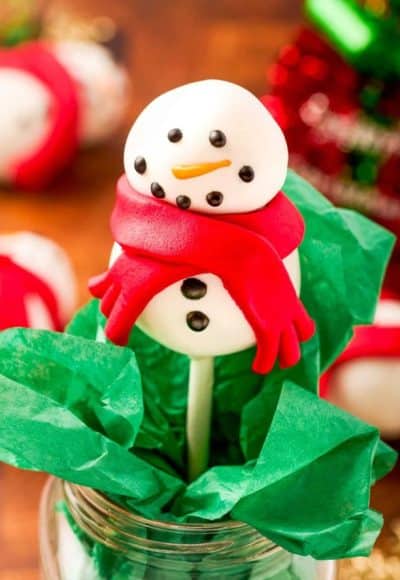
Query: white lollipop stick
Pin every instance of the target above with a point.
(199, 410)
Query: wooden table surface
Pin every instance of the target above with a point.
(169, 43)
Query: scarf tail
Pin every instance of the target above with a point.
(274, 311)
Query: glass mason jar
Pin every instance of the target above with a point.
(84, 536)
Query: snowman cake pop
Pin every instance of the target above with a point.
(102, 87)
(24, 121)
(54, 98)
(40, 114)
(37, 283)
(365, 379)
(206, 258)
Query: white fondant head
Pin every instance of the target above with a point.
(103, 87)
(206, 138)
(25, 117)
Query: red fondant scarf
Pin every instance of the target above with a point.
(61, 142)
(163, 244)
(16, 283)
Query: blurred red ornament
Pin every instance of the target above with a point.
(290, 55)
(314, 68)
(389, 177)
(332, 128)
(309, 41)
(325, 156)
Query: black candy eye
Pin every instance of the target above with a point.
(140, 165)
(175, 135)
(246, 173)
(217, 138)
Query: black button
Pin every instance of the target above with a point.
(197, 321)
(175, 135)
(246, 173)
(193, 288)
(217, 138)
(157, 190)
(140, 165)
(183, 201)
(214, 198)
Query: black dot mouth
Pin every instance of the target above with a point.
(214, 198)
(197, 321)
(183, 201)
(157, 190)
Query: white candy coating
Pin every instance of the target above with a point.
(103, 87)
(46, 260)
(24, 117)
(253, 139)
(369, 388)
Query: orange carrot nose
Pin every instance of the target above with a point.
(197, 169)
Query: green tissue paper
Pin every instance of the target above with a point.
(283, 460)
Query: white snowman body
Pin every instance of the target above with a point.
(103, 87)
(25, 105)
(369, 388)
(211, 147)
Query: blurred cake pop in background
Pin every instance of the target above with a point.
(93, 51)
(37, 284)
(365, 380)
(102, 88)
(57, 94)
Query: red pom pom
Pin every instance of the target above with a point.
(310, 41)
(327, 156)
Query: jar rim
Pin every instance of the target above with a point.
(92, 495)
(124, 530)
(224, 555)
